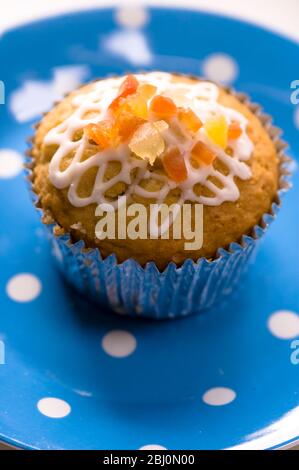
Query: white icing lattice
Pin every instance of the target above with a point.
(201, 97)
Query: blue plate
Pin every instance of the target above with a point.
(77, 377)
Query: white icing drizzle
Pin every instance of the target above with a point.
(201, 97)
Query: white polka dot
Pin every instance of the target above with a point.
(131, 16)
(11, 163)
(119, 343)
(152, 447)
(219, 396)
(296, 117)
(220, 68)
(130, 44)
(53, 407)
(23, 287)
(284, 324)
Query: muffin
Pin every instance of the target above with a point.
(115, 152)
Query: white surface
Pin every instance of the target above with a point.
(220, 68)
(11, 163)
(219, 396)
(119, 343)
(152, 447)
(53, 407)
(23, 287)
(35, 96)
(280, 15)
(284, 324)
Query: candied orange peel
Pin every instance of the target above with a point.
(103, 133)
(202, 154)
(234, 131)
(126, 124)
(189, 119)
(163, 107)
(174, 165)
(128, 87)
(141, 118)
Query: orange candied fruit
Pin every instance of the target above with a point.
(127, 124)
(103, 133)
(174, 165)
(202, 154)
(234, 131)
(189, 119)
(138, 102)
(128, 87)
(135, 103)
(163, 107)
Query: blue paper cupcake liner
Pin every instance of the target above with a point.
(128, 288)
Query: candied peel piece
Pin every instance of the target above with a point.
(189, 119)
(147, 142)
(234, 131)
(129, 111)
(137, 102)
(103, 133)
(126, 124)
(146, 90)
(174, 165)
(202, 154)
(115, 104)
(128, 87)
(217, 130)
(163, 107)
(136, 105)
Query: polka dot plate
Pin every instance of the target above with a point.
(76, 376)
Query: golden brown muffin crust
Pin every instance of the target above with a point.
(223, 224)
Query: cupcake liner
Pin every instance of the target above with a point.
(128, 288)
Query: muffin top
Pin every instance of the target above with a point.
(154, 138)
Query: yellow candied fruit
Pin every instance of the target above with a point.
(146, 90)
(217, 130)
(137, 105)
(147, 142)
